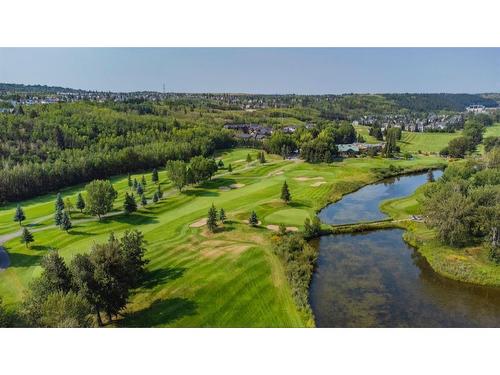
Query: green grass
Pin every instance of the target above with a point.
(425, 142)
(468, 264)
(493, 131)
(364, 131)
(197, 279)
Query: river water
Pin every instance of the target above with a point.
(374, 279)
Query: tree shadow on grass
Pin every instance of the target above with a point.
(161, 312)
(295, 204)
(201, 193)
(24, 260)
(134, 218)
(217, 182)
(161, 276)
(80, 233)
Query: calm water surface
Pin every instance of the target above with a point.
(363, 205)
(374, 279)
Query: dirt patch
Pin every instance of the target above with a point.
(319, 183)
(303, 178)
(277, 173)
(239, 161)
(236, 186)
(199, 223)
(276, 228)
(224, 188)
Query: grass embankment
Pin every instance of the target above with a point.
(468, 264)
(425, 142)
(196, 279)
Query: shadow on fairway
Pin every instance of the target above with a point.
(134, 218)
(161, 276)
(24, 260)
(161, 313)
(201, 193)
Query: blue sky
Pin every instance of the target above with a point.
(257, 70)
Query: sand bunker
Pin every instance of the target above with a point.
(224, 188)
(236, 186)
(199, 223)
(276, 228)
(258, 223)
(316, 184)
(303, 178)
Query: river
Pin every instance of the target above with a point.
(374, 279)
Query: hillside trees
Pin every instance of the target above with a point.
(19, 215)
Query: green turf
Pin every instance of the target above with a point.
(425, 142)
(196, 279)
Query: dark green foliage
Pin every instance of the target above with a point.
(133, 250)
(280, 143)
(19, 216)
(177, 173)
(65, 310)
(222, 215)
(249, 158)
(312, 230)
(58, 216)
(80, 203)
(437, 102)
(26, 237)
(262, 157)
(285, 193)
(464, 205)
(155, 197)
(66, 222)
(140, 189)
(59, 205)
(430, 176)
(458, 147)
(376, 132)
(490, 143)
(144, 200)
(299, 259)
(390, 147)
(474, 130)
(220, 164)
(282, 230)
(129, 181)
(154, 176)
(319, 150)
(253, 220)
(229, 168)
(143, 181)
(159, 192)
(202, 168)
(129, 203)
(100, 197)
(135, 184)
(212, 219)
(7, 318)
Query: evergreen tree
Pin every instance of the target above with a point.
(282, 230)
(212, 219)
(58, 216)
(26, 237)
(285, 193)
(155, 197)
(19, 216)
(220, 164)
(129, 181)
(135, 184)
(144, 201)
(143, 181)
(253, 220)
(249, 158)
(59, 202)
(69, 206)
(154, 176)
(159, 192)
(80, 203)
(129, 204)
(229, 168)
(222, 215)
(430, 176)
(140, 189)
(66, 222)
(262, 157)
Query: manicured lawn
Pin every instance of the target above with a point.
(197, 279)
(425, 142)
(364, 131)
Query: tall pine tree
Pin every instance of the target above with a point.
(212, 219)
(154, 176)
(26, 237)
(253, 219)
(80, 203)
(129, 204)
(285, 193)
(66, 222)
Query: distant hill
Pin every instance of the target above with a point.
(437, 102)
(35, 89)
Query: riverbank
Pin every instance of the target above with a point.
(469, 264)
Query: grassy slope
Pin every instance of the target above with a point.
(425, 142)
(230, 278)
(468, 264)
(363, 130)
